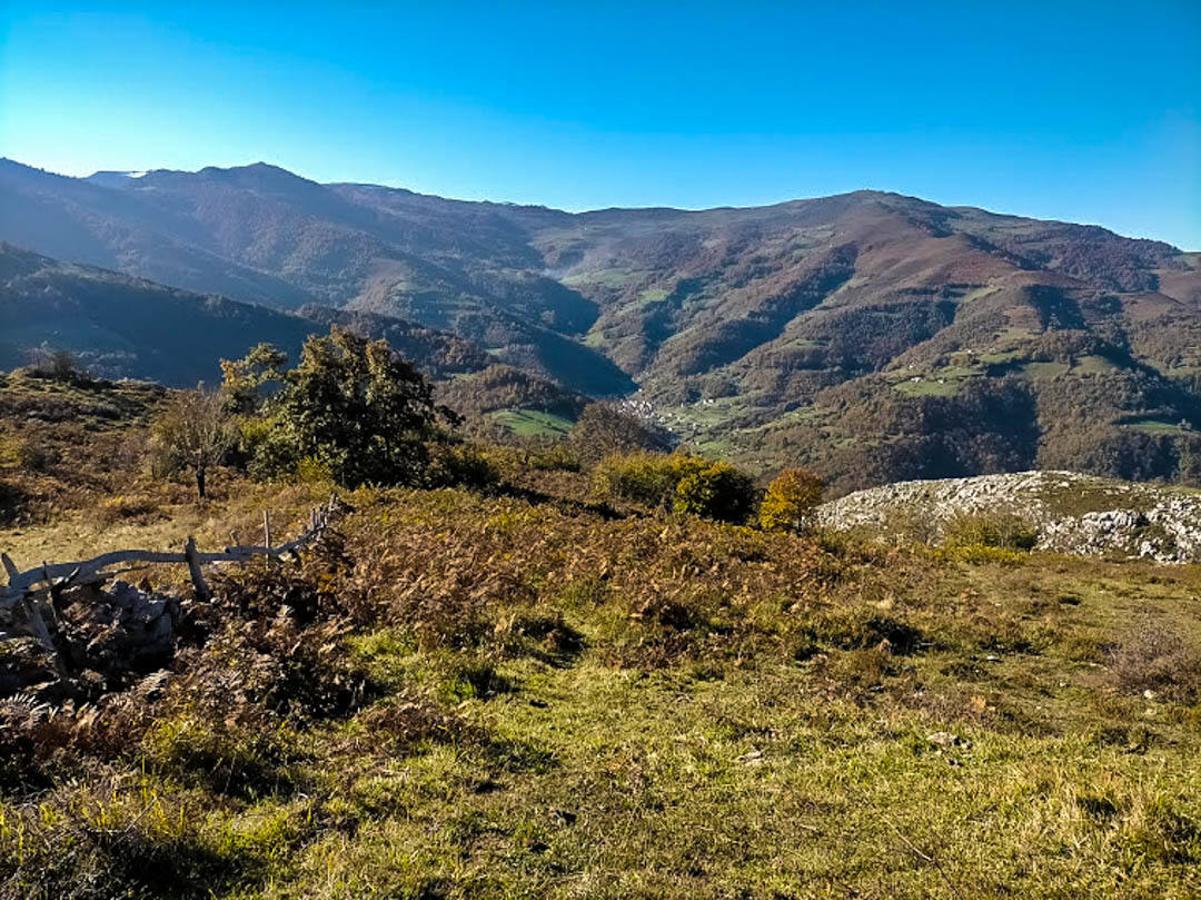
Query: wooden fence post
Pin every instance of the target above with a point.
(203, 594)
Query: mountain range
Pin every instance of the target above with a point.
(872, 335)
(121, 326)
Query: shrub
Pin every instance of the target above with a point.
(790, 500)
(999, 531)
(461, 465)
(266, 450)
(10, 499)
(57, 365)
(18, 452)
(645, 478)
(718, 491)
(555, 457)
(679, 482)
(312, 471)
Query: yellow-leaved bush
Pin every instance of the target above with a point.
(789, 501)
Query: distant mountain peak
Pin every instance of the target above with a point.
(259, 174)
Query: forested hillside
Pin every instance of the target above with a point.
(873, 336)
(118, 326)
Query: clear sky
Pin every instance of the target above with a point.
(1085, 111)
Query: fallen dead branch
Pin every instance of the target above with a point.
(28, 591)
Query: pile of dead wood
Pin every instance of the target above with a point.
(69, 621)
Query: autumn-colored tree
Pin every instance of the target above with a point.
(789, 501)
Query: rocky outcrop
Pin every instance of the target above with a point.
(1071, 513)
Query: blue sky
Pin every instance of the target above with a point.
(1080, 111)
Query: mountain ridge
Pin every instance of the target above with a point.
(830, 331)
(857, 192)
(120, 326)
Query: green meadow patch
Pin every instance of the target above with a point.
(532, 423)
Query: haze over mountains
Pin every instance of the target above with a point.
(874, 335)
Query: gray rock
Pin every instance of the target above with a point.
(1154, 522)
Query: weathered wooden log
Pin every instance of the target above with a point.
(139, 626)
(37, 625)
(23, 582)
(90, 571)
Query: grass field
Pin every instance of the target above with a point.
(532, 423)
(1156, 426)
(558, 704)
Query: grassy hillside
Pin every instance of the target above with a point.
(637, 706)
(521, 693)
(68, 445)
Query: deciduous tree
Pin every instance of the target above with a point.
(191, 434)
(351, 406)
(789, 501)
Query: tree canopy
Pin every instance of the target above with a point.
(351, 406)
